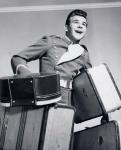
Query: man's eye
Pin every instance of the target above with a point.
(84, 23)
(75, 22)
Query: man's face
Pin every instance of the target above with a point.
(76, 30)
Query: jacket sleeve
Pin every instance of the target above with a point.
(88, 62)
(33, 52)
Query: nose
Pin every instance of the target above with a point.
(80, 26)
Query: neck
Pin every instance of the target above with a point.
(70, 38)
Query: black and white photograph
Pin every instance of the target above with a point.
(60, 76)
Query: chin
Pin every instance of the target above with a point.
(78, 38)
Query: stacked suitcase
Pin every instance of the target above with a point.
(96, 95)
(32, 120)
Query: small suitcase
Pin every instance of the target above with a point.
(33, 89)
(94, 93)
(36, 128)
(101, 137)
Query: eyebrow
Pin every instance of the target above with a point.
(78, 20)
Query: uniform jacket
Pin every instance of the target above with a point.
(49, 50)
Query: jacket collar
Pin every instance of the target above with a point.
(67, 40)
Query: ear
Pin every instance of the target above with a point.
(66, 28)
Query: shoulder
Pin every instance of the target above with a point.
(55, 36)
(52, 38)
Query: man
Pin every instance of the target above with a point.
(63, 55)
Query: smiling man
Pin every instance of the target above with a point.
(76, 25)
(63, 55)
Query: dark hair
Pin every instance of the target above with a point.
(75, 12)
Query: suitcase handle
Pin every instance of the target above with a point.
(100, 140)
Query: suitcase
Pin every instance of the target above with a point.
(36, 128)
(33, 89)
(94, 93)
(101, 137)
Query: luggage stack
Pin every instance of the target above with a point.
(96, 95)
(31, 119)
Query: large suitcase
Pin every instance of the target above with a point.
(94, 93)
(36, 128)
(101, 137)
(33, 89)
